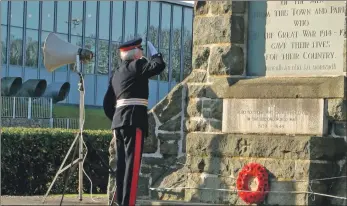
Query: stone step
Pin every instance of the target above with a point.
(167, 202)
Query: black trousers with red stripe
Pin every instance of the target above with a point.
(129, 141)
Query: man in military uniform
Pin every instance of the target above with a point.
(125, 104)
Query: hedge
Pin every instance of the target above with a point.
(30, 158)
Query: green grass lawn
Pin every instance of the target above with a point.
(95, 118)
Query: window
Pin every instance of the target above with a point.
(103, 57)
(115, 55)
(165, 26)
(62, 16)
(16, 43)
(17, 11)
(117, 25)
(175, 65)
(154, 26)
(3, 44)
(31, 50)
(77, 18)
(130, 16)
(33, 14)
(188, 25)
(48, 15)
(187, 65)
(76, 40)
(104, 20)
(4, 7)
(90, 25)
(142, 19)
(176, 26)
(89, 67)
(164, 76)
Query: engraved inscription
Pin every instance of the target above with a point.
(275, 116)
(271, 117)
(302, 38)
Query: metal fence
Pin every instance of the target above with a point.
(66, 123)
(35, 108)
(27, 107)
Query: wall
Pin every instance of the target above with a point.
(189, 147)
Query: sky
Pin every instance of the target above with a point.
(190, 2)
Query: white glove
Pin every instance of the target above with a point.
(151, 48)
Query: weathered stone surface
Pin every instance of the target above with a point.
(156, 161)
(345, 53)
(184, 143)
(200, 57)
(169, 147)
(171, 125)
(194, 108)
(196, 77)
(196, 90)
(201, 8)
(143, 186)
(206, 196)
(215, 108)
(218, 29)
(193, 125)
(339, 188)
(151, 142)
(227, 7)
(340, 129)
(177, 179)
(168, 137)
(337, 109)
(279, 169)
(170, 106)
(269, 146)
(284, 198)
(215, 126)
(274, 87)
(231, 198)
(274, 116)
(226, 60)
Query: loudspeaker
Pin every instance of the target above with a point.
(57, 52)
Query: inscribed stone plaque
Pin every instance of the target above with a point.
(274, 116)
(297, 38)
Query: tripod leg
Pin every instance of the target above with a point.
(61, 166)
(67, 175)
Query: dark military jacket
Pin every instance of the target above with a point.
(130, 80)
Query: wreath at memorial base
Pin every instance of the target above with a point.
(259, 173)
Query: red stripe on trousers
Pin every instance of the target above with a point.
(136, 167)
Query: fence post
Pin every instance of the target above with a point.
(50, 108)
(68, 123)
(14, 108)
(29, 108)
(51, 112)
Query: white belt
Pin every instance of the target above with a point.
(131, 102)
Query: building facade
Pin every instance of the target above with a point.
(99, 26)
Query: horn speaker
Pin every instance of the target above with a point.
(57, 52)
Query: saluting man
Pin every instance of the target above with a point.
(125, 104)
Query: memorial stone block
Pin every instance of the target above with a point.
(274, 116)
(297, 38)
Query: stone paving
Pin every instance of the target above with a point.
(74, 201)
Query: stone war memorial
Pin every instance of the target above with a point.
(268, 86)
